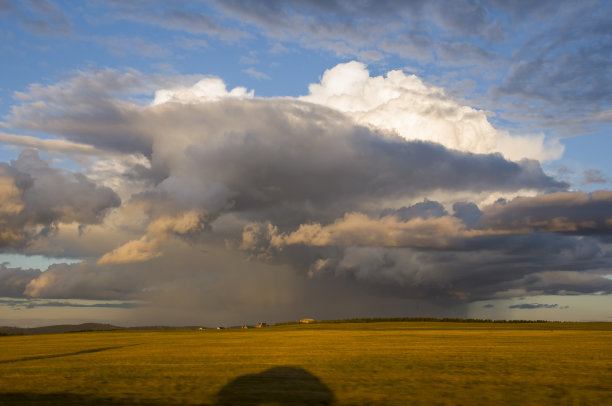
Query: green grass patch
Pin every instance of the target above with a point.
(385, 363)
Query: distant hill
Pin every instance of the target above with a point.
(72, 328)
(61, 328)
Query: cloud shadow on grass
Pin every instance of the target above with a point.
(279, 386)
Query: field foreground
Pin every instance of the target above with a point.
(409, 363)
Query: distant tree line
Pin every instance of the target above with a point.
(415, 319)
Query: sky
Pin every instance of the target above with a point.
(229, 162)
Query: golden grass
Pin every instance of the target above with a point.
(346, 364)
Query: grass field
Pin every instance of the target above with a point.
(410, 363)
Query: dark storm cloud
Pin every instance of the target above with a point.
(38, 195)
(427, 224)
(281, 158)
(490, 271)
(84, 281)
(57, 195)
(468, 212)
(424, 209)
(572, 212)
(335, 161)
(420, 251)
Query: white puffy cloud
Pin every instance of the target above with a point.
(402, 103)
(206, 90)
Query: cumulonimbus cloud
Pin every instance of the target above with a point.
(304, 186)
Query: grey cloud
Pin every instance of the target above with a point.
(533, 306)
(571, 212)
(256, 74)
(593, 176)
(462, 15)
(468, 18)
(49, 145)
(562, 71)
(92, 108)
(76, 108)
(465, 52)
(451, 276)
(425, 209)
(297, 160)
(6, 6)
(560, 51)
(178, 17)
(57, 195)
(34, 303)
(38, 195)
(468, 212)
(413, 46)
(520, 9)
(42, 17)
(13, 281)
(132, 45)
(84, 281)
(568, 282)
(475, 266)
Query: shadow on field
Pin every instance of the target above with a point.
(9, 361)
(64, 399)
(278, 386)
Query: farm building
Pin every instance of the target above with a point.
(306, 321)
